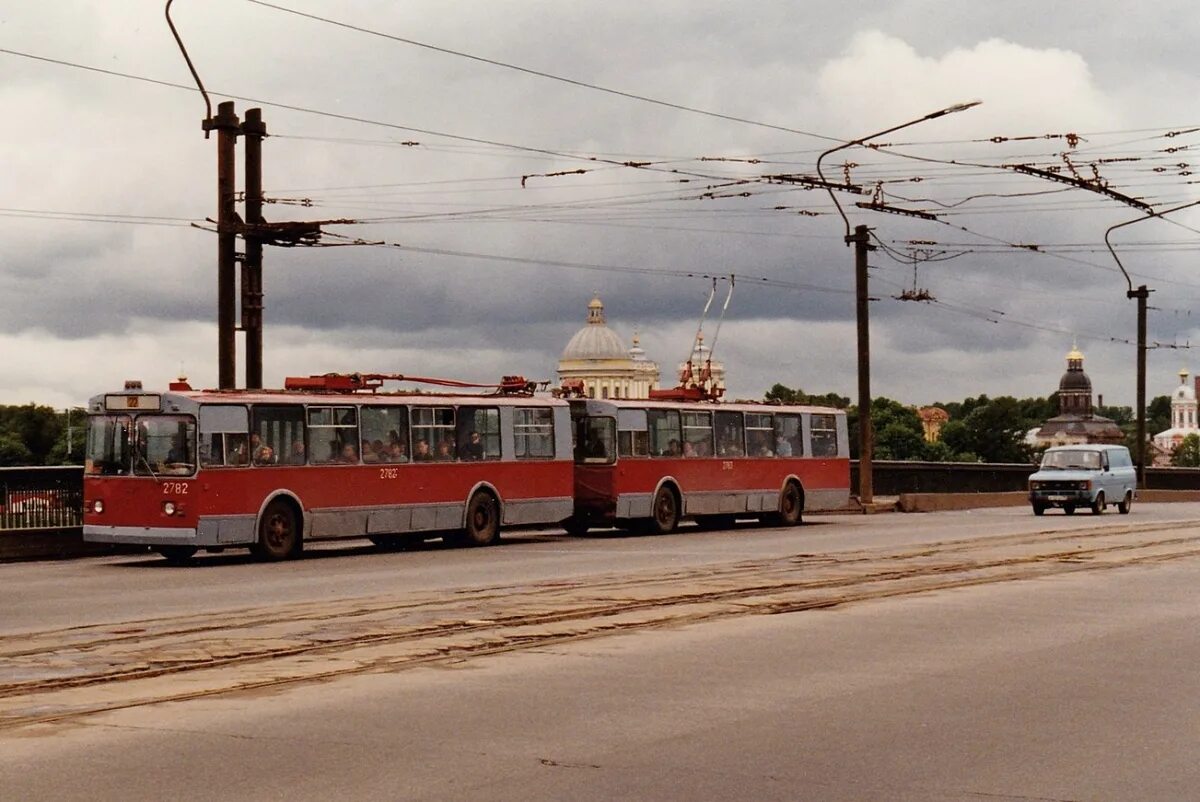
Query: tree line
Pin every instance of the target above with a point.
(32, 434)
(980, 429)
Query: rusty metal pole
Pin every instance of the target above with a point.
(254, 130)
(226, 123)
(1142, 294)
(866, 439)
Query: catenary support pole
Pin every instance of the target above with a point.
(254, 130)
(226, 123)
(1142, 295)
(862, 246)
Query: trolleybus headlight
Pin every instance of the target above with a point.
(97, 506)
(169, 507)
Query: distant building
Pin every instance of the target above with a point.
(1183, 419)
(1076, 422)
(932, 419)
(700, 355)
(596, 356)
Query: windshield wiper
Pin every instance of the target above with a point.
(146, 462)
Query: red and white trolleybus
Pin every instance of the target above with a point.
(654, 462)
(328, 457)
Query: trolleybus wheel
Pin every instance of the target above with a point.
(1098, 504)
(177, 555)
(483, 522)
(791, 507)
(1124, 506)
(278, 533)
(665, 512)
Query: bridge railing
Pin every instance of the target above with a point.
(41, 498)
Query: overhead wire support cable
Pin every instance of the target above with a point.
(542, 74)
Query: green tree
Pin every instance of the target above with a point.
(994, 430)
(1158, 415)
(898, 431)
(37, 429)
(1187, 453)
(12, 451)
(782, 394)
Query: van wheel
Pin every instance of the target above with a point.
(1125, 505)
(1098, 504)
(278, 533)
(1039, 509)
(1069, 509)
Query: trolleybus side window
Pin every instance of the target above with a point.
(223, 436)
(731, 440)
(697, 434)
(107, 445)
(433, 434)
(478, 433)
(332, 435)
(824, 435)
(533, 432)
(665, 432)
(632, 439)
(278, 436)
(789, 439)
(760, 435)
(384, 434)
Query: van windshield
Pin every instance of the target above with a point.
(1066, 460)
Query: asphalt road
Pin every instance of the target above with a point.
(979, 655)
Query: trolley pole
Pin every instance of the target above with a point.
(1142, 294)
(226, 123)
(866, 440)
(254, 130)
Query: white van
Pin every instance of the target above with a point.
(1091, 476)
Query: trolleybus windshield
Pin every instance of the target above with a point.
(107, 449)
(165, 444)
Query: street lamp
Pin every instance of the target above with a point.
(862, 245)
(1142, 294)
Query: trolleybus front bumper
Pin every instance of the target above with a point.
(146, 535)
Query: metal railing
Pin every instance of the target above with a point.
(41, 498)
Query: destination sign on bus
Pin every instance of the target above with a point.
(116, 402)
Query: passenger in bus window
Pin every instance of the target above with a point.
(297, 455)
(472, 450)
(689, 450)
(256, 447)
(783, 448)
(238, 454)
(349, 454)
(445, 452)
(368, 452)
(397, 453)
(264, 456)
(421, 452)
(672, 449)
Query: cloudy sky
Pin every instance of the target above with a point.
(103, 275)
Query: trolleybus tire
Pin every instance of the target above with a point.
(1126, 504)
(176, 555)
(279, 536)
(665, 512)
(791, 507)
(1098, 504)
(482, 522)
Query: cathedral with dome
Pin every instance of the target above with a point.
(1183, 417)
(598, 358)
(1076, 421)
